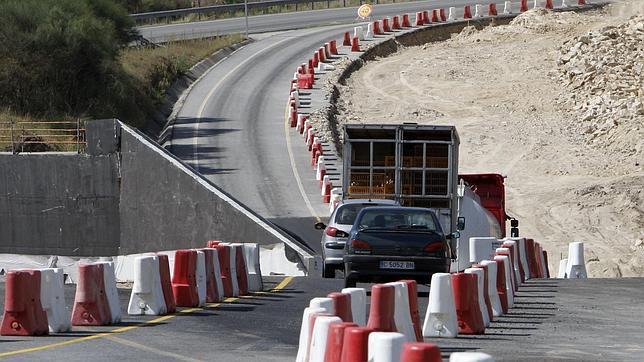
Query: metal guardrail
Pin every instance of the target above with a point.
(17, 137)
(229, 8)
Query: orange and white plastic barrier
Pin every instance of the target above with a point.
(481, 290)
(23, 311)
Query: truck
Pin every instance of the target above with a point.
(417, 165)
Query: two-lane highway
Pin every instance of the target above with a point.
(287, 21)
(231, 129)
(231, 125)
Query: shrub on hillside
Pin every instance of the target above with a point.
(60, 57)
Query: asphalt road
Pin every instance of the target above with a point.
(288, 21)
(581, 320)
(231, 129)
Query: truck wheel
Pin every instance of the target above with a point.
(349, 282)
(328, 271)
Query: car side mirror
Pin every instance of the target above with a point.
(454, 235)
(319, 226)
(460, 223)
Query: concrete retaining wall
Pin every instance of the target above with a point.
(127, 195)
(59, 204)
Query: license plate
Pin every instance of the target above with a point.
(407, 265)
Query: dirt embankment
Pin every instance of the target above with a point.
(555, 102)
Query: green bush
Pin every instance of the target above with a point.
(60, 57)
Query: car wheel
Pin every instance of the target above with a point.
(328, 271)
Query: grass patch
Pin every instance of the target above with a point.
(151, 71)
(157, 68)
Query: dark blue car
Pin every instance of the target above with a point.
(393, 243)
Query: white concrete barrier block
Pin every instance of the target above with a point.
(507, 8)
(482, 248)
(217, 268)
(319, 337)
(497, 309)
(358, 305)
(511, 273)
(478, 11)
(385, 346)
(358, 32)
(369, 34)
(109, 279)
(321, 167)
(147, 293)
(563, 266)
(52, 297)
(255, 282)
(480, 277)
(508, 283)
(470, 357)
(536, 4)
(324, 303)
(201, 277)
(440, 317)
(576, 263)
(515, 254)
(402, 313)
(452, 14)
(324, 67)
(233, 268)
(305, 333)
(523, 257)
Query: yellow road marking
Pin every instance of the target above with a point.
(296, 174)
(281, 285)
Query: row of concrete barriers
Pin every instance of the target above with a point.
(35, 300)
(335, 328)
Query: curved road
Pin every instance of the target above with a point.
(288, 21)
(231, 126)
(231, 129)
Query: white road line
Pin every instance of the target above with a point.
(296, 174)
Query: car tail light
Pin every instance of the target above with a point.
(334, 232)
(434, 247)
(359, 244)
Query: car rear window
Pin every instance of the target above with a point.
(347, 213)
(398, 219)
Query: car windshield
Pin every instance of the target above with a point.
(347, 213)
(398, 219)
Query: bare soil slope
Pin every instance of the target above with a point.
(557, 109)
